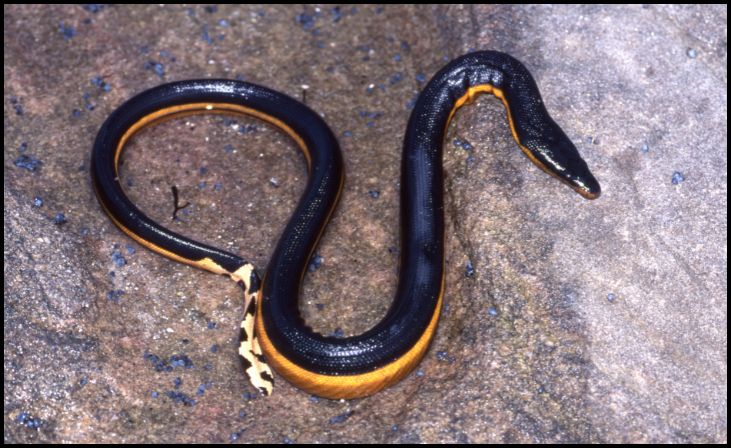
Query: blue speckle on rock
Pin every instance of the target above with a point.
(677, 178)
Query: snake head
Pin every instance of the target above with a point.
(555, 154)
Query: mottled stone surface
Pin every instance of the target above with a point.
(576, 321)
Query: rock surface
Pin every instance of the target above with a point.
(565, 320)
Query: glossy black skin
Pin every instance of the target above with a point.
(310, 127)
(422, 220)
(422, 209)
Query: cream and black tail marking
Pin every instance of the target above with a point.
(255, 366)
